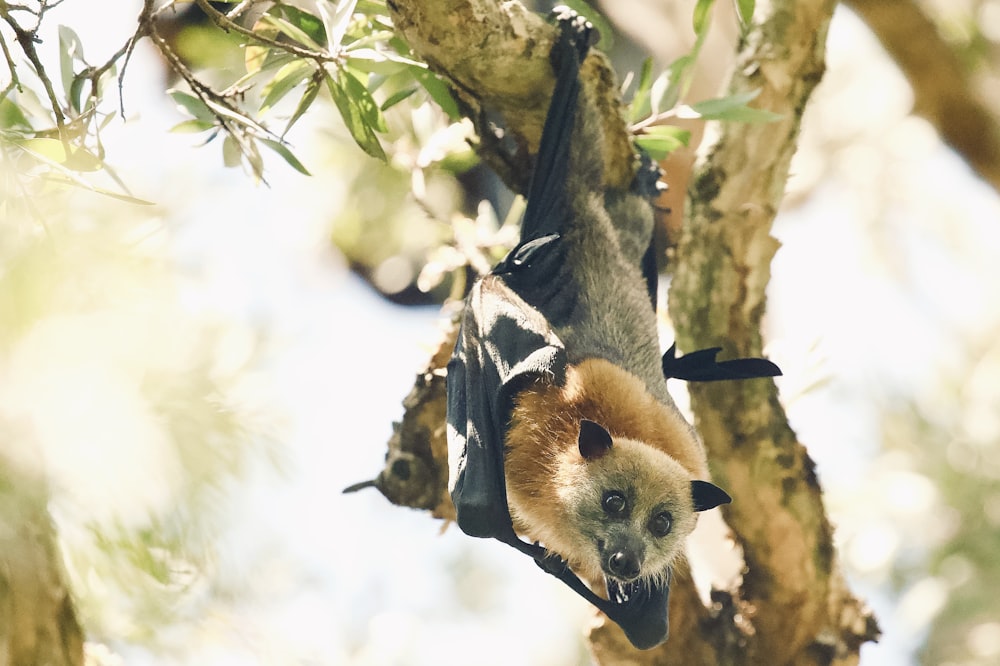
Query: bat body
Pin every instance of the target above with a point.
(561, 429)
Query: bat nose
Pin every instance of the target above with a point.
(623, 565)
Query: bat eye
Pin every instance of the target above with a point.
(613, 502)
(661, 523)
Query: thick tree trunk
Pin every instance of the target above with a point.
(792, 606)
(38, 625)
(793, 593)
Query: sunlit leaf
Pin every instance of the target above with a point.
(732, 108)
(285, 153)
(397, 97)
(308, 97)
(701, 16)
(438, 90)
(744, 11)
(192, 126)
(231, 154)
(254, 57)
(354, 117)
(76, 93)
(661, 140)
(236, 116)
(381, 62)
(54, 150)
(287, 78)
(11, 116)
(193, 105)
(673, 82)
(364, 100)
(291, 30)
(70, 50)
(640, 106)
(337, 23)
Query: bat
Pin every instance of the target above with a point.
(563, 440)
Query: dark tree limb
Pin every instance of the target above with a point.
(944, 89)
(38, 623)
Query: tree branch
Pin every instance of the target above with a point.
(496, 58)
(793, 592)
(943, 89)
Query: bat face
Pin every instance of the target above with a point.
(631, 506)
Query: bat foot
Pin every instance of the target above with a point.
(575, 31)
(552, 564)
(647, 181)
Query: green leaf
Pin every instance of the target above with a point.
(287, 78)
(11, 116)
(76, 93)
(396, 98)
(232, 156)
(192, 126)
(364, 100)
(379, 62)
(283, 150)
(675, 81)
(354, 117)
(235, 116)
(732, 108)
(640, 106)
(438, 90)
(744, 11)
(701, 16)
(55, 151)
(70, 50)
(193, 105)
(291, 30)
(337, 23)
(661, 140)
(308, 97)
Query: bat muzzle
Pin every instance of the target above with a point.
(621, 557)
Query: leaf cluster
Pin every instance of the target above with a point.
(658, 99)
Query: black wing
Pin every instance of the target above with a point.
(701, 366)
(503, 344)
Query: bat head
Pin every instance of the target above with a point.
(631, 506)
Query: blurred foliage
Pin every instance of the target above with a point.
(952, 436)
(137, 413)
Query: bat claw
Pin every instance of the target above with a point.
(575, 29)
(552, 564)
(647, 178)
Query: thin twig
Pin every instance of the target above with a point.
(224, 23)
(26, 40)
(15, 82)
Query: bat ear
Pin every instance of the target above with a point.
(594, 440)
(708, 495)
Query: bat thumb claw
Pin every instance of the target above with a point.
(355, 487)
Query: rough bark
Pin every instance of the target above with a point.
(793, 605)
(496, 58)
(792, 593)
(38, 624)
(944, 90)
